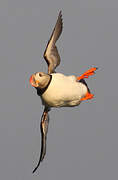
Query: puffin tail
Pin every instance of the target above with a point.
(88, 95)
(84, 82)
(88, 73)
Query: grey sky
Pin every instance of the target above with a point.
(82, 141)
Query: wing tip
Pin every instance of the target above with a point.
(60, 13)
(60, 16)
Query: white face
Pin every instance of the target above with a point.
(39, 79)
(39, 76)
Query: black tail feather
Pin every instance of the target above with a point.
(84, 82)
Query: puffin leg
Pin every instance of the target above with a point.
(88, 73)
(88, 96)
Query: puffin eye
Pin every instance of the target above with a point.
(40, 74)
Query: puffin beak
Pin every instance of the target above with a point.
(33, 82)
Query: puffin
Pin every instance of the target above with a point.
(56, 89)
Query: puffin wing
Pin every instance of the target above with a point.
(51, 54)
(44, 130)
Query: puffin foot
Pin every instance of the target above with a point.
(87, 96)
(88, 73)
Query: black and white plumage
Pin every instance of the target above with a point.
(56, 89)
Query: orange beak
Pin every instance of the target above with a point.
(33, 82)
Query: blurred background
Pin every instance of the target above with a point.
(82, 141)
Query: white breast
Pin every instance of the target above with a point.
(64, 91)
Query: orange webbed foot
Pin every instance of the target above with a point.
(88, 73)
(88, 96)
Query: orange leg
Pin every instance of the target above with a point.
(87, 96)
(87, 73)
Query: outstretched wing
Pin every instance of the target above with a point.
(44, 130)
(51, 54)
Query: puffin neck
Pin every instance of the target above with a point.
(41, 91)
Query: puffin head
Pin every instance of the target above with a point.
(39, 80)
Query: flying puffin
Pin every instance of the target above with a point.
(57, 89)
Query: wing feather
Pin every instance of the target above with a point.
(44, 130)
(51, 54)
